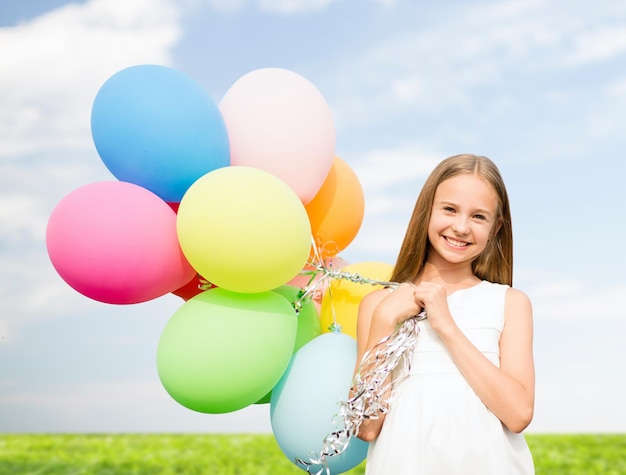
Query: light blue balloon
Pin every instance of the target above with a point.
(306, 398)
(157, 128)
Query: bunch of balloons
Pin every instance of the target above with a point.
(233, 207)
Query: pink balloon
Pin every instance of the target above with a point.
(116, 242)
(279, 122)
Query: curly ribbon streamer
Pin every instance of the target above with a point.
(319, 266)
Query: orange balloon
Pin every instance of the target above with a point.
(336, 211)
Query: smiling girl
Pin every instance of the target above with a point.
(470, 389)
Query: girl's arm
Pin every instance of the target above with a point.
(508, 391)
(379, 313)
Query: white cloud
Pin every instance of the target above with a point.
(283, 7)
(59, 60)
(617, 89)
(23, 216)
(600, 44)
(293, 6)
(576, 300)
(57, 63)
(395, 166)
(225, 5)
(286, 7)
(391, 179)
(482, 59)
(28, 286)
(379, 241)
(386, 3)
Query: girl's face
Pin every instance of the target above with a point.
(464, 213)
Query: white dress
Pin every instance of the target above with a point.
(437, 425)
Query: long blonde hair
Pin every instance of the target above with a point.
(495, 263)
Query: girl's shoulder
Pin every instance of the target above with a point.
(516, 295)
(517, 305)
(509, 291)
(513, 297)
(375, 296)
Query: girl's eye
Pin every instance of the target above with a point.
(481, 217)
(448, 209)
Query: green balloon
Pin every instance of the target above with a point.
(309, 325)
(222, 351)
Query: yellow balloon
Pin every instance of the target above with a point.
(243, 229)
(340, 303)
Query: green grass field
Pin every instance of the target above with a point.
(151, 454)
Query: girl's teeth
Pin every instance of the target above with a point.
(456, 243)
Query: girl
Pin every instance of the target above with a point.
(470, 389)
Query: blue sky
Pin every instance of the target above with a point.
(538, 86)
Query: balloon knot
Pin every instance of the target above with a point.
(335, 327)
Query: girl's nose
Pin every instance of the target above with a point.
(460, 225)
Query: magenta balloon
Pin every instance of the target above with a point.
(116, 242)
(279, 122)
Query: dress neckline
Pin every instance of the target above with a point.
(466, 288)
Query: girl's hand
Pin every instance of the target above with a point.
(434, 298)
(398, 305)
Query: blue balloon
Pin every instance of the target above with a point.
(306, 398)
(157, 128)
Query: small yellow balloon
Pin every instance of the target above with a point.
(243, 229)
(340, 303)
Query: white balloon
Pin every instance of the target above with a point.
(278, 121)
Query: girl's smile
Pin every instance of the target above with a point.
(455, 243)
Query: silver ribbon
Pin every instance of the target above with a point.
(328, 273)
